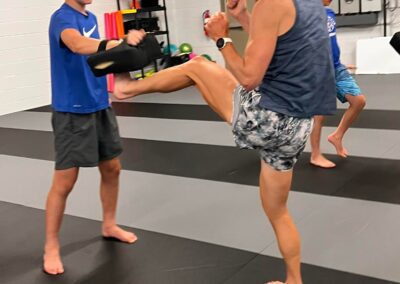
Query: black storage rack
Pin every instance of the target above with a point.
(148, 11)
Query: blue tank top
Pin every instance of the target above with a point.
(300, 80)
(332, 34)
(74, 87)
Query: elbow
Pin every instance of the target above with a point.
(250, 83)
(119, 95)
(79, 49)
(75, 48)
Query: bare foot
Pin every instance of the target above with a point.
(52, 263)
(116, 232)
(341, 151)
(322, 162)
(120, 84)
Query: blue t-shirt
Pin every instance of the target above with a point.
(332, 34)
(74, 87)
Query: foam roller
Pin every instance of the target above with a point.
(395, 42)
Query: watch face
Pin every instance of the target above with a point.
(220, 43)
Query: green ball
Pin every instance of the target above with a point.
(186, 48)
(207, 57)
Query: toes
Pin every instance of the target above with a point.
(133, 238)
(50, 271)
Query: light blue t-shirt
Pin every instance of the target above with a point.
(332, 34)
(74, 87)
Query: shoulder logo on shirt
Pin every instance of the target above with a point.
(89, 33)
(331, 25)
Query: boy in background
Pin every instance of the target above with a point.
(347, 91)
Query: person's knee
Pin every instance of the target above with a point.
(275, 212)
(193, 66)
(358, 102)
(319, 120)
(63, 187)
(362, 101)
(110, 170)
(197, 61)
(64, 181)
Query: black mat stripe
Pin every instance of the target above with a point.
(356, 177)
(372, 119)
(155, 258)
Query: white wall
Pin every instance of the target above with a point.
(24, 51)
(186, 26)
(348, 37)
(184, 17)
(376, 56)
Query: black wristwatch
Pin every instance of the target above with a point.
(221, 42)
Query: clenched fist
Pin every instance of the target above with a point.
(217, 26)
(236, 7)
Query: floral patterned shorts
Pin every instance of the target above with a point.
(279, 138)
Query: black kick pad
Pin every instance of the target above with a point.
(125, 58)
(395, 42)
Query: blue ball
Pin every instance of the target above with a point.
(172, 47)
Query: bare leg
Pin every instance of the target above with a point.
(357, 104)
(110, 171)
(274, 191)
(317, 159)
(63, 183)
(216, 84)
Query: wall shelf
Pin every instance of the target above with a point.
(147, 13)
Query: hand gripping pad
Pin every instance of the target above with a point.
(395, 42)
(125, 58)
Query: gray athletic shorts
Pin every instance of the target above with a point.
(84, 140)
(279, 138)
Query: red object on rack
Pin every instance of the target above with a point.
(206, 15)
(135, 4)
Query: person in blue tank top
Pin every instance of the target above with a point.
(269, 95)
(84, 125)
(347, 90)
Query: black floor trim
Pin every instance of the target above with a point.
(356, 177)
(371, 119)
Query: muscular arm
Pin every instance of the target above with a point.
(250, 69)
(83, 45)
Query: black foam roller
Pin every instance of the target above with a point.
(395, 42)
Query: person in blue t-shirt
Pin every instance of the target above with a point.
(84, 125)
(347, 90)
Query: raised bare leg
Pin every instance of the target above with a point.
(357, 104)
(63, 183)
(274, 191)
(110, 171)
(317, 158)
(216, 84)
